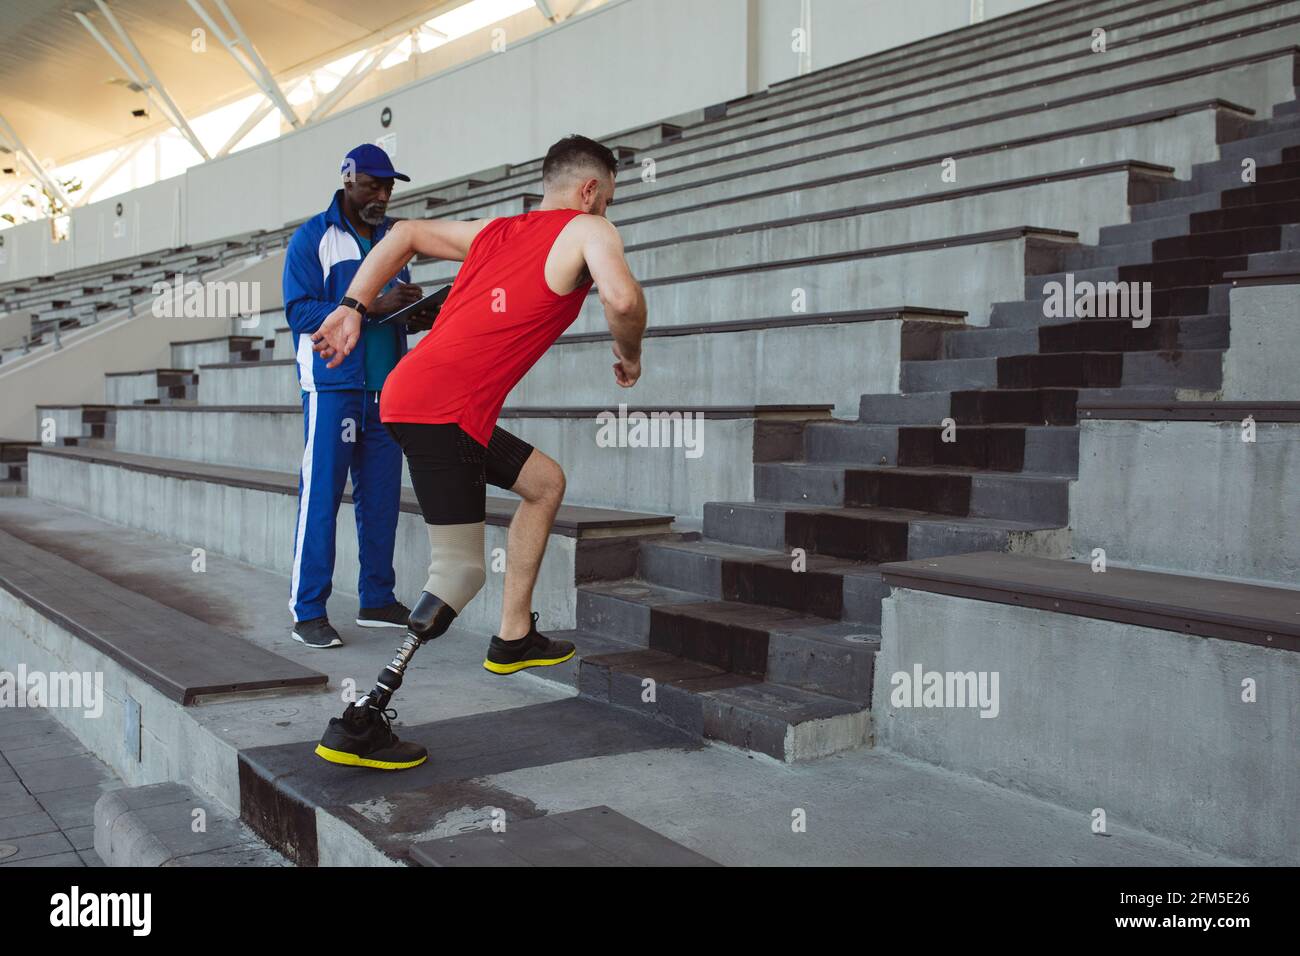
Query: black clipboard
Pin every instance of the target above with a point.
(430, 303)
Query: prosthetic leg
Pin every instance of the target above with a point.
(363, 736)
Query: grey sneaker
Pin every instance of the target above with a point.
(317, 633)
(394, 615)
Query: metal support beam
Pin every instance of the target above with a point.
(33, 164)
(260, 112)
(127, 154)
(360, 70)
(148, 82)
(243, 52)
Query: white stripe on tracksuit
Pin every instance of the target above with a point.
(304, 502)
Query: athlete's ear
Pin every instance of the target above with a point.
(590, 194)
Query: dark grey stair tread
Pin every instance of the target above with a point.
(1185, 603)
(750, 555)
(283, 787)
(594, 836)
(586, 644)
(571, 520)
(968, 471)
(781, 702)
(1211, 411)
(178, 655)
(888, 514)
(767, 700)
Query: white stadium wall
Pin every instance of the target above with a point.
(626, 64)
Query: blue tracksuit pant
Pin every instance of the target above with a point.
(341, 433)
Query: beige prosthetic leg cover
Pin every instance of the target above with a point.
(456, 568)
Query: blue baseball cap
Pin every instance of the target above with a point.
(370, 159)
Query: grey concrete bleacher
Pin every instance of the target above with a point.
(883, 396)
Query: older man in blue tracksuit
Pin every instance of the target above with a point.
(341, 426)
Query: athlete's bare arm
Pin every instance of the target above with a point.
(620, 294)
(438, 238)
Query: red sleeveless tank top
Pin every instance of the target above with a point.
(499, 319)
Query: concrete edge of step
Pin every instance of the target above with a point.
(169, 824)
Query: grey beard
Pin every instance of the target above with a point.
(373, 214)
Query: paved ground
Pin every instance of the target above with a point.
(48, 788)
(863, 807)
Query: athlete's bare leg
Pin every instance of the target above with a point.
(541, 486)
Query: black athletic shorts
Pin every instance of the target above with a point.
(450, 471)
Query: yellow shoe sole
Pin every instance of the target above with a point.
(496, 668)
(352, 760)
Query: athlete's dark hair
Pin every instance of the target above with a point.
(574, 153)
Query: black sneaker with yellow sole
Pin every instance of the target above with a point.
(532, 650)
(363, 737)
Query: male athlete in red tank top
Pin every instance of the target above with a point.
(523, 282)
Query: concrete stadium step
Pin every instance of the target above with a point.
(790, 685)
(967, 272)
(947, 374)
(872, 535)
(1196, 369)
(181, 657)
(1195, 455)
(1167, 72)
(155, 825)
(72, 424)
(1180, 206)
(988, 342)
(1260, 148)
(854, 350)
(248, 514)
(1146, 64)
(1242, 217)
(14, 450)
(1100, 195)
(1045, 450)
(1162, 303)
(1181, 333)
(1030, 619)
(1109, 369)
(1041, 406)
(1282, 261)
(594, 836)
(151, 385)
(1010, 448)
(839, 178)
(966, 51)
(669, 459)
(750, 641)
(941, 490)
(690, 569)
(1263, 193)
(1224, 242)
(224, 348)
(700, 133)
(778, 147)
(766, 360)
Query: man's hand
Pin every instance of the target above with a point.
(397, 298)
(337, 335)
(626, 372)
(421, 321)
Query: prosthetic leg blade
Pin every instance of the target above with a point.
(363, 736)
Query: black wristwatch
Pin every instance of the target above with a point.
(353, 304)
